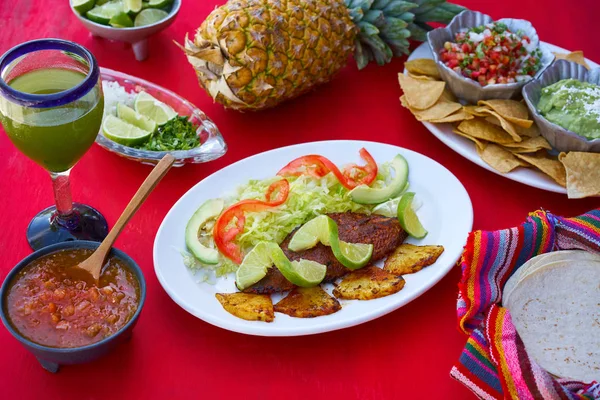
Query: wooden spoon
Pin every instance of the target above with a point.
(93, 265)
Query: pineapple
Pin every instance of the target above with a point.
(255, 54)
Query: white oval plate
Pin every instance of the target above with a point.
(446, 212)
(466, 148)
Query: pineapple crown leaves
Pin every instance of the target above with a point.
(384, 26)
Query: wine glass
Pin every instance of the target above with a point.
(51, 107)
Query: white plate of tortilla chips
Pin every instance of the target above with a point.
(446, 212)
(487, 134)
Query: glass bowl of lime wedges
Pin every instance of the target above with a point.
(131, 21)
(143, 122)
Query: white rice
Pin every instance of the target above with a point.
(114, 94)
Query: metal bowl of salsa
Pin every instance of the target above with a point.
(62, 320)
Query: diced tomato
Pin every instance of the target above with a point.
(466, 48)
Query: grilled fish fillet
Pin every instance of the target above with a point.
(384, 233)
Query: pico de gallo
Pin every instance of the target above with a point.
(492, 54)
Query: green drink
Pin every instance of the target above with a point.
(56, 138)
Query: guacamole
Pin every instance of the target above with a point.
(574, 105)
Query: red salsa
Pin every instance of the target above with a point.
(48, 307)
(491, 54)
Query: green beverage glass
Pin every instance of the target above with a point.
(51, 107)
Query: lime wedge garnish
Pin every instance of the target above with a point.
(323, 229)
(390, 207)
(157, 3)
(83, 6)
(121, 132)
(132, 6)
(254, 267)
(150, 16)
(121, 20)
(129, 115)
(102, 14)
(408, 217)
(154, 109)
(100, 2)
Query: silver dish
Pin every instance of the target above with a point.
(560, 138)
(465, 88)
(137, 36)
(212, 143)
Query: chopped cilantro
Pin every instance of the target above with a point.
(177, 134)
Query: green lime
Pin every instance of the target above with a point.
(303, 273)
(102, 14)
(150, 16)
(100, 2)
(254, 266)
(314, 231)
(121, 20)
(82, 6)
(132, 6)
(157, 3)
(154, 109)
(129, 115)
(408, 218)
(121, 132)
(358, 254)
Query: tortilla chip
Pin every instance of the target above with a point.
(529, 145)
(479, 143)
(481, 129)
(456, 117)
(498, 158)
(551, 167)
(475, 110)
(511, 110)
(532, 131)
(423, 66)
(583, 173)
(507, 126)
(447, 95)
(575, 56)
(439, 110)
(421, 94)
(422, 77)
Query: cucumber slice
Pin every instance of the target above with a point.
(364, 194)
(209, 210)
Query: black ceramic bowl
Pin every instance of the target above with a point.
(51, 358)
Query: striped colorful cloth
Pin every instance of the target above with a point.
(494, 363)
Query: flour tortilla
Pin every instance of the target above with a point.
(555, 307)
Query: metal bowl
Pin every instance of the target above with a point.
(137, 36)
(465, 88)
(51, 358)
(560, 138)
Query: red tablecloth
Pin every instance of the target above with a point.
(406, 354)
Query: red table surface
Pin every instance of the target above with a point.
(405, 354)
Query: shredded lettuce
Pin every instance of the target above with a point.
(307, 198)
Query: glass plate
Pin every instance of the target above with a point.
(213, 145)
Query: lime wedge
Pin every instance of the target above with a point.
(324, 230)
(408, 218)
(132, 6)
(129, 115)
(390, 207)
(102, 14)
(121, 20)
(157, 3)
(154, 109)
(254, 266)
(150, 16)
(100, 2)
(121, 132)
(83, 6)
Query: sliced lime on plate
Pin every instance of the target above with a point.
(150, 16)
(153, 109)
(254, 266)
(83, 6)
(132, 6)
(121, 132)
(102, 14)
(121, 20)
(408, 217)
(132, 117)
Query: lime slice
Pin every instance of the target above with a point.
(157, 3)
(132, 6)
(102, 14)
(390, 207)
(254, 266)
(100, 2)
(154, 109)
(121, 20)
(408, 218)
(323, 229)
(150, 16)
(121, 132)
(129, 115)
(83, 6)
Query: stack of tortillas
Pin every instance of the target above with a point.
(554, 301)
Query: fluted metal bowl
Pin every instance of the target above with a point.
(465, 88)
(560, 138)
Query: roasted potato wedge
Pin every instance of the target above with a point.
(251, 307)
(408, 258)
(308, 303)
(368, 283)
